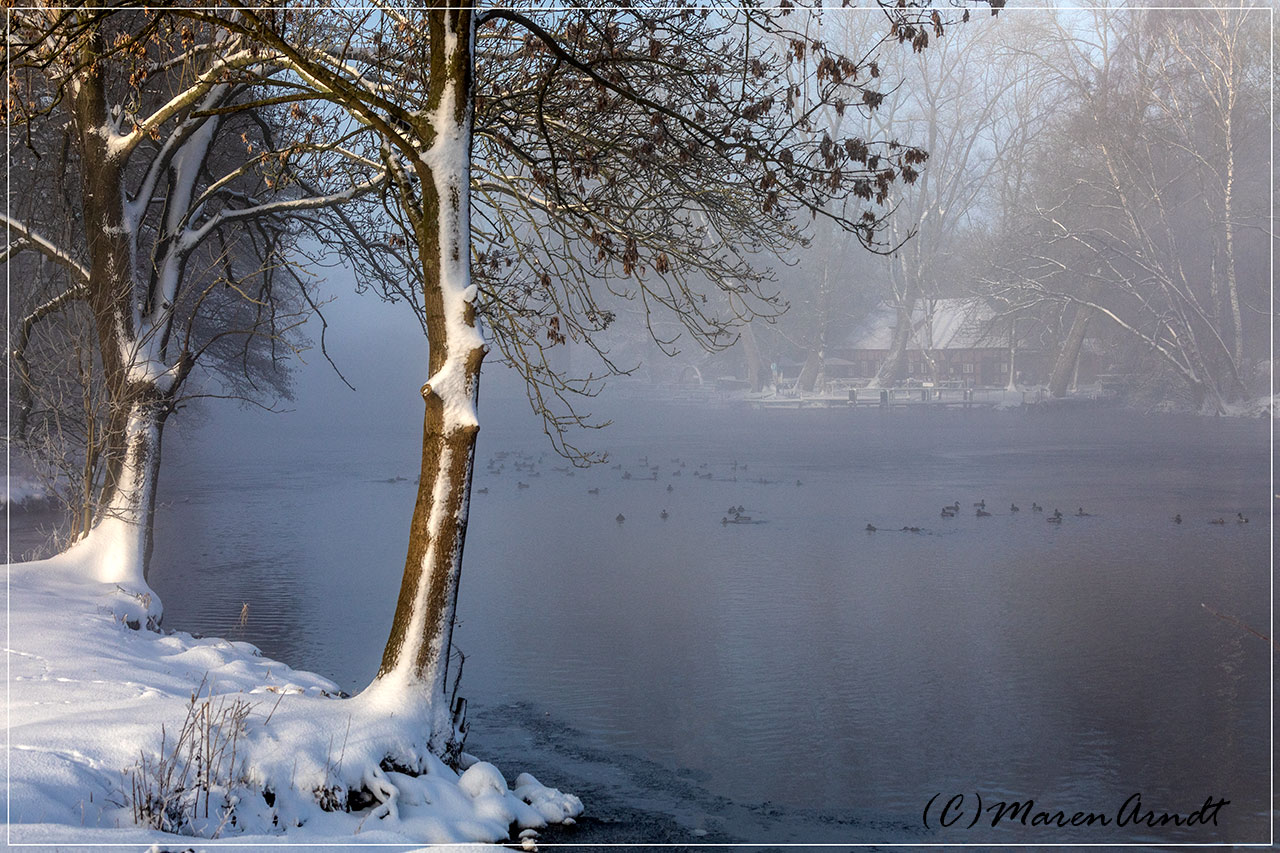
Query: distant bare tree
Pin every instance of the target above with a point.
(1134, 215)
(974, 102)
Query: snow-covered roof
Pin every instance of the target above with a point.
(935, 324)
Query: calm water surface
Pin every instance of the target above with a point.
(798, 679)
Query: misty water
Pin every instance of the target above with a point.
(798, 679)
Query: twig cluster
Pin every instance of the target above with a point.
(174, 790)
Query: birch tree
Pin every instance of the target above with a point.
(1134, 217)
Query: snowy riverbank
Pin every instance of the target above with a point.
(920, 398)
(111, 726)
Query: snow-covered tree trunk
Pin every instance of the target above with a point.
(120, 536)
(415, 664)
(139, 375)
(121, 539)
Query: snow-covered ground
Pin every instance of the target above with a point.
(112, 726)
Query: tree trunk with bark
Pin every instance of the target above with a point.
(751, 351)
(808, 379)
(1065, 365)
(120, 538)
(416, 661)
(893, 368)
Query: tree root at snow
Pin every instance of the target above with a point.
(386, 793)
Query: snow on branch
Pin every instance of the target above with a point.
(120, 144)
(137, 206)
(193, 237)
(29, 238)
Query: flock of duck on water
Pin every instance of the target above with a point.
(524, 464)
(980, 507)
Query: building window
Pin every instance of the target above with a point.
(1004, 367)
(968, 367)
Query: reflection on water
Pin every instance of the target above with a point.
(803, 661)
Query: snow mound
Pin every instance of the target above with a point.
(123, 735)
(554, 806)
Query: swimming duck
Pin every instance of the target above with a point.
(670, 488)
(982, 513)
(1014, 508)
(1035, 507)
(1240, 519)
(520, 485)
(483, 491)
(663, 515)
(593, 491)
(1080, 513)
(1177, 519)
(1218, 521)
(621, 518)
(1057, 513)
(871, 528)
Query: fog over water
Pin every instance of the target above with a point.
(797, 679)
(754, 622)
